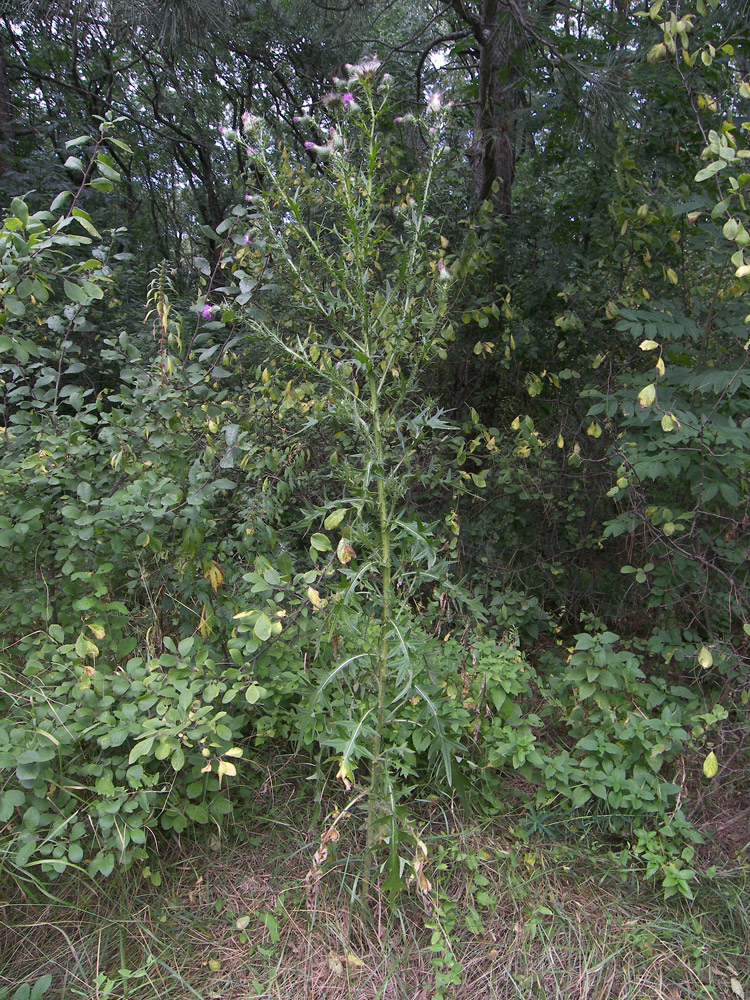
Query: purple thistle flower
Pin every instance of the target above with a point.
(247, 239)
(349, 100)
(207, 311)
(309, 145)
(398, 120)
(222, 130)
(248, 197)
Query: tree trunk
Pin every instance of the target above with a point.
(7, 127)
(493, 150)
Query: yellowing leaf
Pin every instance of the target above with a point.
(711, 765)
(705, 659)
(594, 430)
(226, 767)
(667, 423)
(335, 964)
(345, 552)
(660, 368)
(314, 597)
(335, 518)
(672, 275)
(646, 396)
(560, 441)
(98, 631)
(203, 625)
(515, 424)
(648, 345)
(737, 987)
(345, 773)
(215, 575)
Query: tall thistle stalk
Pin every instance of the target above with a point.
(362, 263)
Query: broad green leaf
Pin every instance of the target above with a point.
(60, 200)
(75, 293)
(73, 163)
(710, 170)
(321, 543)
(253, 693)
(20, 209)
(141, 749)
(262, 627)
(107, 171)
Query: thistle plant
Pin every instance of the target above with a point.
(341, 274)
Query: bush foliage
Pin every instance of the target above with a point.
(253, 523)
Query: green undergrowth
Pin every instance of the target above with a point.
(488, 912)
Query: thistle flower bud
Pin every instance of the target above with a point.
(364, 70)
(435, 102)
(345, 100)
(321, 152)
(250, 123)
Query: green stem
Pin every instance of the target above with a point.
(376, 780)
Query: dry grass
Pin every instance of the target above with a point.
(525, 921)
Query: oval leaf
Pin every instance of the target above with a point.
(321, 543)
(335, 518)
(710, 765)
(646, 396)
(705, 659)
(262, 628)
